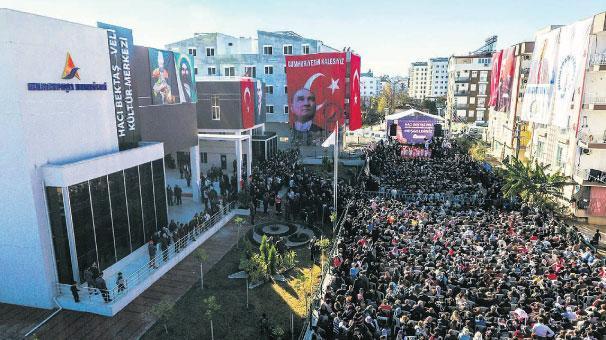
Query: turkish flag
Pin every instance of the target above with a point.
(248, 103)
(316, 90)
(355, 113)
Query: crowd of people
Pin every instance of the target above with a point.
(430, 270)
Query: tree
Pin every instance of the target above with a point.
(534, 185)
(478, 151)
(272, 258)
(212, 307)
(264, 247)
(163, 311)
(202, 256)
(430, 106)
(239, 220)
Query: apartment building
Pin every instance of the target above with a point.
(419, 80)
(468, 88)
(504, 124)
(370, 86)
(438, 78)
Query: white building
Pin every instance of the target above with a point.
(419, 80)
(370, 86)
(438, 78)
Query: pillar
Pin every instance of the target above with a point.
(194, 161)
(249, 163)
(239, 160)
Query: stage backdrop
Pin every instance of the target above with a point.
(570, 70)
(355, 112)
(316, 90)
(413, 129)
(538, 97)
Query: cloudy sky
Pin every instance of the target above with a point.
(389, 35)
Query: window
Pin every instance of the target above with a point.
(212, 71)
(559, 155)
(481, 89)
(286, 109)
(305, 48)
(472, 87)
(268, 49)
(269, 89)
(471, 113)
(195, 70)
(287, 49)
(215, 108)
(484, 76)
(481, 102)
(269, 108)
(472, 100)
(210, 51)
(269, 70)
(204, 157)
(285, 89)
(474, 74)
(230, 71)
(192, 51)
(250, 71)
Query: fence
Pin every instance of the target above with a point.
(316, 296)
(176, 249)
(435, 197)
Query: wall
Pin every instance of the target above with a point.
(44, 127)
(228, 92)
(214, 150)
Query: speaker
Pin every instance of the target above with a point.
(437, 130)
(393, 128)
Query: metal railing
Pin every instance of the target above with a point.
(174, 250)
(591, 98)
(435, 197)
(597, 59)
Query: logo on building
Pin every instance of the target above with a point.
(70, 70)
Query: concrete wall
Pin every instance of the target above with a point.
(42, 127)
(214, 150)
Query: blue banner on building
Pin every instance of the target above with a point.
(120, 43)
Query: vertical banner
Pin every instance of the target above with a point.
(570, 69)
(597, 202)
(355, 112)
(247, 93)
(186, 79)
(505, 79)
(494, 81)
(538, 97)
(316, 86)
(120, 43)
(165, 89)
(259, 103)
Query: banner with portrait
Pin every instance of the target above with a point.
(505, 79)
(355, 111)
(597, 202)
(186, 79)
(164, 83)
(414, 152)
(570, 70)
(494, 81)
(538, 97)
(316, 91)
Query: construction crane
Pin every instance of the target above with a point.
(489, 46)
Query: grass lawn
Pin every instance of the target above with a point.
(233, 320)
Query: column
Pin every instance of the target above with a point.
(194, 161)
(239, 160)
(249, 157)
(71, 237)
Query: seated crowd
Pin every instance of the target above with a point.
(430, 271)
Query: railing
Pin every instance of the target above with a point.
(590, 98)
(461, 93)
(461, 106)
(174, 250)
(462, 78)
(435, 197)
(597, 59)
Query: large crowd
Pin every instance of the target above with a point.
(433, 270)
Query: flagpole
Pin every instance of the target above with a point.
(336, 161)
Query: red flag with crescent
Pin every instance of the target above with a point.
(316, 90)
(355, 112)
(248, 103)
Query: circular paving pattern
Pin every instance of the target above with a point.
(295, 235)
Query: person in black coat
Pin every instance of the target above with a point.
(102, 286)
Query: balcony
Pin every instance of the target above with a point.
(590, 176)
(461, 106)
(461, 93)
(597, 62)
(589, 139)
(461, 79)
(594, 102)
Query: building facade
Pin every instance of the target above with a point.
(504, 124)
(262, 58)
(468, 88)
(370, 86)
(419, 80)
(438, 78)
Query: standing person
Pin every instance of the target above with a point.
(253, 211)
(90, 281)
(205, 199)
(75, 290)
(278, 204)
(178, 193)
(164, 246)
(152, 249)
(120, 282)
(595, 241)
(265, 202)
(102, 286)
(169, 194)
(188, 178)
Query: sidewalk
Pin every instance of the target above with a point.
(132, 321)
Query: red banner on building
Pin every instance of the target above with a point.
(248, 103)
(355, 112)
(316, 89)
(505, 79)
(597, 202)
(494, 78)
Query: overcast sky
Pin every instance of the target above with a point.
(389, 35)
